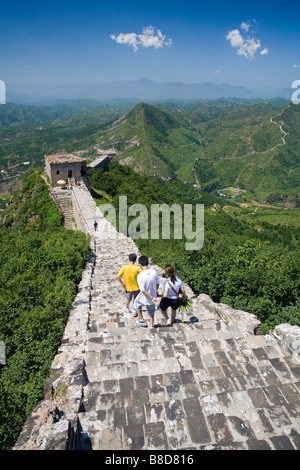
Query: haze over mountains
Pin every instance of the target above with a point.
(145, 90)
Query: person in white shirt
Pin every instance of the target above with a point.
(172, 287)
(148, 282)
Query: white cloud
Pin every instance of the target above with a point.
(296, 66)
(130, 39)
(150, 37)
(235, 38)
(248, 46)
(264, 51)
(245, 26)
(217, 71)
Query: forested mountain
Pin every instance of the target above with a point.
(63, 110)
(27, 133)
(225, 142)
(251, 146)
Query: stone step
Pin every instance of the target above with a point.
(175, 411)
(208, 382)
(222, 389)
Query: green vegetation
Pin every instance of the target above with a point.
(231, 144)
(153, 141)
(27, 133)
(272, 173)
(227, 143)
(257, 215)
(41, 264)
(254, 270)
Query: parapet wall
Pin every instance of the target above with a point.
(78, 215)
(52, 423)
(247, 322)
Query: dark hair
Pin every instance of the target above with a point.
(143, 260)
(170, 271)
(132, 257)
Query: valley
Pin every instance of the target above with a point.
(211, 144)
(252, 146)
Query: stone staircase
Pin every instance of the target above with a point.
(206, 383)
(63, 199)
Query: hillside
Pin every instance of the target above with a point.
(150, 140)
(28, 132)
(252, 146)
(267, 165)
(41, 266)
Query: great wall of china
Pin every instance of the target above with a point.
(208, 382)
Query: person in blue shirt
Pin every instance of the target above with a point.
(172, 287)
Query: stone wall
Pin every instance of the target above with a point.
(79, 217)
(56, 423)
(247, 322)
(289, 337)
(52, 423)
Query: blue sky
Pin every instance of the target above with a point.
(253, 44)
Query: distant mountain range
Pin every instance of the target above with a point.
(139, 90)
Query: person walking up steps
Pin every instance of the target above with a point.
(129, 272)
(172, 286)
(148, 282)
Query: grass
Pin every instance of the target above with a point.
(258, 214)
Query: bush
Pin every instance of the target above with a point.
(41, 264)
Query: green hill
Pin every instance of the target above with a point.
(216, 144)
(269, 170)
(251, 146)
(27, 133)
(153, 141)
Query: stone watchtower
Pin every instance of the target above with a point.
(61, 166)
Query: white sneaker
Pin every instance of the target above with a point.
(126, 309)
(134, 313)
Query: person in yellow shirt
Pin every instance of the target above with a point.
(129, 273)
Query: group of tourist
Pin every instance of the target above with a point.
(141, 284)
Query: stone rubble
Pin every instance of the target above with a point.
(208, 382)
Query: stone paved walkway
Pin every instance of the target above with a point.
(207, 382)
(196, 385)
